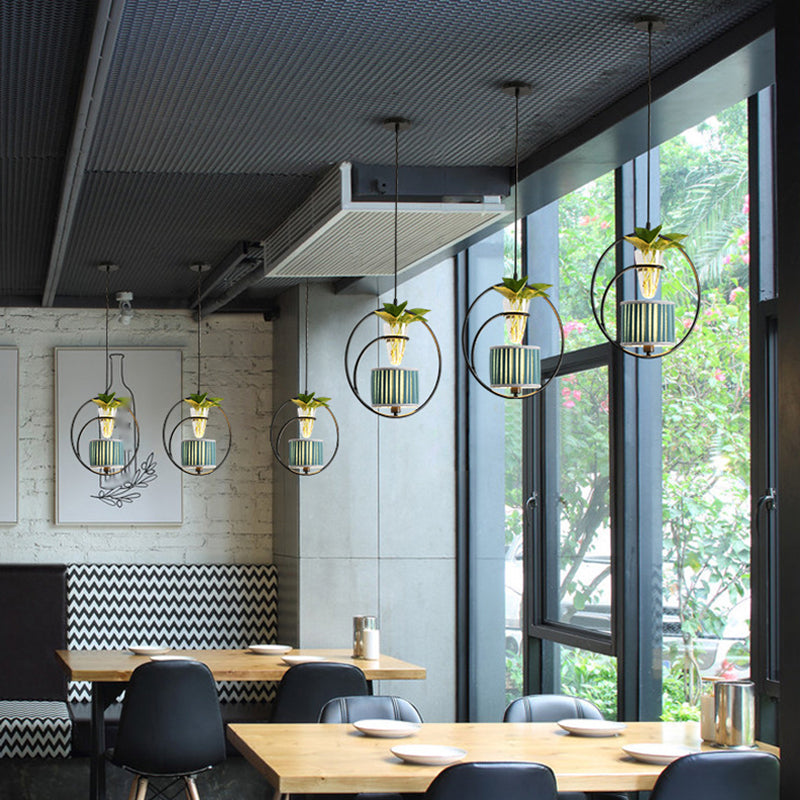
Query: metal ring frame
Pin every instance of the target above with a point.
(195, 473)
(103, 472)
(600, 317)
(469, 352)
(275, 442)
(351, 380)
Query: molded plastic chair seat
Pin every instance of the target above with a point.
(483, 780)
(352, 709)
(723, 775)
(305, 688)
(170, 725)
(552, 708)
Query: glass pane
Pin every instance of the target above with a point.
(706, 415)
(586, 229)
(588, 675)
(581, 567)
(513, 553)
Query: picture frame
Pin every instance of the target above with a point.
(149, 490)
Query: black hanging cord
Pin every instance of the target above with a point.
(306, 339)
(649, 105)
(199, 323)
(396, 197)
(516, 172)
(107, 271)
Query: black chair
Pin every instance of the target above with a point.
(552, 708)
(170, 725)
(483, 780)
(305, 688)
(724, 775)
(351, 709)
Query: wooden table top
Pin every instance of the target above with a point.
(336, 758)
(226, 665)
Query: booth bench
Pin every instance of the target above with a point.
(44, 608)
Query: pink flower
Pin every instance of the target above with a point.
(605, 224)
(746, 206)
(577, 394)
(577, 327)
(568, 404)
(735, 292)
(687, 323)
(744, 239)
(585, 220)
(726, 260)
(746, 258)
(604, 406)
(719, 374)
(566, 392)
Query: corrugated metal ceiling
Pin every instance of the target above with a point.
(218, 118)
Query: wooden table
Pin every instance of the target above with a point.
(336, 758)
(107, 669)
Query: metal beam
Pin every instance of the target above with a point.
(242, 251)
(104, 37)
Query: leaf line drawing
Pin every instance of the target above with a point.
(126, 492)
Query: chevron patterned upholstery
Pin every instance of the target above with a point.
(34, 729)
(227, 606)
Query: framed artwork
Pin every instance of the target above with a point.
(149, 490)
(9, 375)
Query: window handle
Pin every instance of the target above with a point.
(768, 500)
(532, 501)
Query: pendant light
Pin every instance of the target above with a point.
(646, 324)
(306, 455)
(514, 368)
(106, 454)
(394, 390)
(198, 453)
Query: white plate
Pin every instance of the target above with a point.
(301, 659)
(148, 650)
(386, 728)
(428, 754)
(269, 649)
(658, 752)
(172, 658)
(592, 727)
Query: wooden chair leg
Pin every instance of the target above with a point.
(191, 788)
(142, 793)
(134, 786)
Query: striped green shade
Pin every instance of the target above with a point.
(646, 322)
(199, 453)
(515, 366)
(106, 453)
(395, 387)
(305, 453)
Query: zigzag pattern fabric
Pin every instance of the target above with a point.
(185, 606)
(35, 729)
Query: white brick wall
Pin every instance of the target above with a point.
(227, 517)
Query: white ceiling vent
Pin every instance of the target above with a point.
(333, 236)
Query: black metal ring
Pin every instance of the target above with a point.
(77, 442)
(275, 441)
(168, 442)
(469, 352)
(351, 381)
(600, 320)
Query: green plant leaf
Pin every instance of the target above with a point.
(202, 400)
(109, 400)
(309, 401)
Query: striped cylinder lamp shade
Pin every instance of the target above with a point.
(199, 454)
(646, 323)
(105, 453)
(395, 387)
(513, 366)
(305, 453)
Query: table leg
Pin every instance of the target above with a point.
(102, 695)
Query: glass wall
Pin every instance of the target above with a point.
(706, 415)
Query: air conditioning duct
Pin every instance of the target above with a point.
(345, 228)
